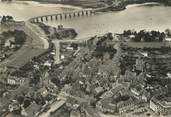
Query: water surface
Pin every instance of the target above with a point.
(146, 16)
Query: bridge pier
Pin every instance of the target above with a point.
(37, 19)
(65, 16)
(70, 16)
(56, 17)
(60, 16)
(86, 13)
(51, 17)
(92, 12)
(46, 18)
(74, 15)
(78, 14)
(82, 13)
(41, 19)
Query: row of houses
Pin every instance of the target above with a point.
(161, 104)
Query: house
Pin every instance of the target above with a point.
(98, 91)
(43, 91)
(32, 109)
(47, 64)
(169, 75)
(70, 48)
(145, 54)
(137, 90)
(1, 41)
(146, 96)
(10, 42)
(91, 112)
(74, 113)
(14, 106)
(129, 105)
(106, 106)
(15, 80)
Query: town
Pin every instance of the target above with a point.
(119, 74)
(49, 71)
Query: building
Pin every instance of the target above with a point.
(75, 114)
(129, 105)
(1, 41)
(161, 104)
(106, 106)
(15, 80)
(98, 91)
(31, 110)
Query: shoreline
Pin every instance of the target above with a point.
(129, 5)
(143, 4)
(79, 6)
(67, 4)
(27, 2)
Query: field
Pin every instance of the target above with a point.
(148, 44)
(25, 56)
(32, 47)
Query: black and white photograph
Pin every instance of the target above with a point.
(85, 58)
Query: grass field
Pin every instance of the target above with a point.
(22, 58)
(148, 44)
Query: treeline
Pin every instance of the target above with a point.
(104, 45)
(167, 2)
(6, 0)
(19, 36)
(150, 36)
(6, 19)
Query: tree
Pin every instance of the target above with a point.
(20, 37)
(137, 38)
(3, 19)
(9, 18)
(127, 32)
(168, 32)
(109, 36)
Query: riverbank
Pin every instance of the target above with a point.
(113, 6)
(122, 5)
(127, 3)
(76, 4)
(57, 33)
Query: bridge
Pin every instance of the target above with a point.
(68, 15)
(62, 16)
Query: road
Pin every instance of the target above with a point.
(53, 107)
(57, 51)
(37, 34)
(65, 95)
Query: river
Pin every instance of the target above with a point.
(149, 17)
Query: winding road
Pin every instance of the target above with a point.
(37, 34)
